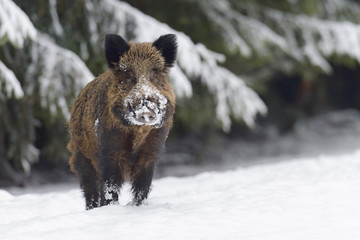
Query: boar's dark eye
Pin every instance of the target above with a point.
(155, 73)
(128, 78)
(130, 74)
(156, 76)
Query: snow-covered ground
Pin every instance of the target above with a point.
(304, 198)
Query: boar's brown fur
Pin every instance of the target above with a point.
(108, 146)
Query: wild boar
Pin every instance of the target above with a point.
(120, 120)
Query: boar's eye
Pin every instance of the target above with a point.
(154, 73)
(156, 76)
(130, 74)
(129, 78)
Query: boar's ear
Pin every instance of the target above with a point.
(115, 46)
(167, 45)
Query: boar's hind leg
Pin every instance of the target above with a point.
(141, 185)
(88, 181)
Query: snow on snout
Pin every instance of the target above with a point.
(141, 94)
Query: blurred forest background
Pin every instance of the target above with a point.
(244, 67)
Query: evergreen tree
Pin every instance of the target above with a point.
(283, 49)
(51, 74)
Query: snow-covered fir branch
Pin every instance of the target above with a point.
(240, 31)
(307, 39)
(57, 73)
(10, 82)
(15, 25)
(320, 38)
(58, 29)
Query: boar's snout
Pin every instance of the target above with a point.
(146, 105)
(146, 115)
(147, 118)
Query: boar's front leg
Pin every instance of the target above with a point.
(111, 178)
(143, 169)
(141, 184)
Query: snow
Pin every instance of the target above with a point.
(55, 71)
(109, 190)
(55, 18)
(322, 38)
(232, 96)
(302, 198)
(12, 84)
(332, 30)
(15, 25)
(240, 31)
(96, 126)
(341, 38)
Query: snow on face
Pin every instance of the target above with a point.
(142, 92)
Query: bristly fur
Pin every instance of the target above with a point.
(108, 150)
(167, 45)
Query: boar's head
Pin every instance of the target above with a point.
(140, 93)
